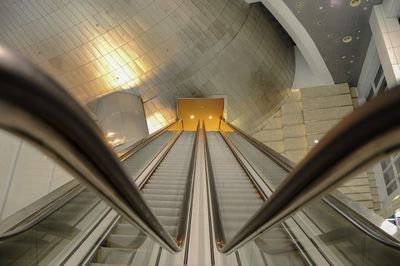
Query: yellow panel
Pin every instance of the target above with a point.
(192, 110)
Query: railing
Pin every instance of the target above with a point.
(44, 207)
(215, 209)
(361, 138)
(184, 222)
(37, 108)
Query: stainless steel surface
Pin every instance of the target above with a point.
(328, 22)
(161, 50)
(34, 107)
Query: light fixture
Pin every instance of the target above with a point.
(316, 141)
(395, 198)
(110, 134)
(347, 39)
(210, 117)
(192, 116)
(354, 3)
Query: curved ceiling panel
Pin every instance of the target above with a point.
(160, 50)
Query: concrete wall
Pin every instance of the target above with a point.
(26, 174)
(304, 118)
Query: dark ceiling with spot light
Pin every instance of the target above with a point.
(340, 29)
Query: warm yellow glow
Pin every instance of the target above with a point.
(113, 68)
(110, 134)
(192, 116)
(156, 121)
(210, 117)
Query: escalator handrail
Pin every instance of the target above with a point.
(357, 218)
(359, 223)
(215, 208)
(42, 213)
(132, 149)
(286, 164)
(187, 198)
(37, 108)
(362, 137)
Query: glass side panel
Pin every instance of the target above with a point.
(319, 233)
(136, 163)
(61, 230)
(267, 169)
(125, 245)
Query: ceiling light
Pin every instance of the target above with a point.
(395, 198)
(344, 57)
(110, 134)
(351, 61)
(354, 3)
(192, 116)
(316, 141)
(210, 117)
(347, 39)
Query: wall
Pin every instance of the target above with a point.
(304, 118)
(386, 34)
(121, 117)
(26, 174)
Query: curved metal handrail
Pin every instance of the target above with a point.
(360, 222)
(361, 138)
(35, 107)
(132, 149)
(42, 213)
(187, 198)
(50, 208)
(215, 208)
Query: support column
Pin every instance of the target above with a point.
(122, 118)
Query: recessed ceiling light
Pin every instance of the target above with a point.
(351, 61)
(347, 39)
(210, 117)
(316, 141)
(192, 116)
(344, 57)
(321, 7)
(358, 37)
(354, 3)
(365, 8)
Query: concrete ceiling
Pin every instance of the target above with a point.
(328, 22)
(161, 50)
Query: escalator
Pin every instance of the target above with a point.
(136, 209)
(164, 192)
(239, 198)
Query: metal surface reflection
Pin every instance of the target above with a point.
(160, 49)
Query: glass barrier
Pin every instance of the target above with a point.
(327, 229)
(136, 163)
(126, 245)
(28, 175)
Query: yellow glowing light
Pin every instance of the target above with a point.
(192, 116)
(110, 134)
(113, 69)
(210, 117)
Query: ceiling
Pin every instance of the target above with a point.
(328, 22)
(195, 110)
(160, 49)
